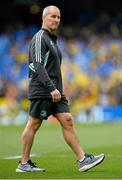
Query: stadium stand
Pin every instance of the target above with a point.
(92, 72)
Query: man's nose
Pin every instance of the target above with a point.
(57, 19)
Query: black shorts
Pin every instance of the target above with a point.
(43, 108)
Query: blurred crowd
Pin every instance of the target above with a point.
(92, 70)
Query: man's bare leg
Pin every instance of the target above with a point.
(86, 161)
(28, 134)
(69, 133)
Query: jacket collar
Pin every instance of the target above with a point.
(53, 36)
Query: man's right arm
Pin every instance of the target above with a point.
(39, 66)
(43, 77)
(46, 81)
(40, 60)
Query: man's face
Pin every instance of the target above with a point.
(52, 19)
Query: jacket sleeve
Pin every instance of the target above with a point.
(41, 54)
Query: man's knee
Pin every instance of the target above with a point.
(31, 127)
(68, 121)
(33, 123)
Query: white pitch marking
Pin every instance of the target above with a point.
(18, 156)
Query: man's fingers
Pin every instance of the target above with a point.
(56, 98)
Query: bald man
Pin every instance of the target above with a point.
(46, 94)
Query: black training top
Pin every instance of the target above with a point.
(44, 65)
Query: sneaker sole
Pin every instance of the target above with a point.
(20, 170)
(87, 167)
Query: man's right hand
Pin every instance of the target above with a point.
(56, 96)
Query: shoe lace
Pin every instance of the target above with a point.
(33, 164)
(89, 155)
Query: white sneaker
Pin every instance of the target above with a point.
(28, 167)
(90, 161)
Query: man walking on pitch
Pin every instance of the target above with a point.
(46, 94)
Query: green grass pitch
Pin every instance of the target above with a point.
(52, 153)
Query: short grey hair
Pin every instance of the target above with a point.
(46, 10)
